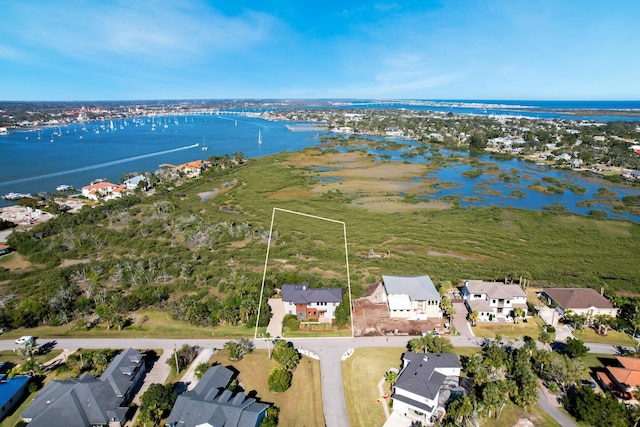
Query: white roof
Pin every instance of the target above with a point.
(418, 288)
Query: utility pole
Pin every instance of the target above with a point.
(175, 353)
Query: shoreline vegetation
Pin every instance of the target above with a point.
(200, 261)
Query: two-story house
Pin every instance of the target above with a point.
(412, 296)
(493, 299)
(311, 303)
(103, 190)
(421, 383)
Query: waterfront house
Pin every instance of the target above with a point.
(412, 297)
(582, 301)
(103, 191)
(90, 401)
(193, 169)
(210, 404)
(426, 382)
(311, 303)
(493, 300)
(132, 183)
(12, 390)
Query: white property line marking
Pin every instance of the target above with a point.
(266, 261)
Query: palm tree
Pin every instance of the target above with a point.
(473, 316)
(391, 377)
(518, 312)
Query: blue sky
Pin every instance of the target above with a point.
(186, 49)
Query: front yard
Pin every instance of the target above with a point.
(509, 330)
(361, 374)
(299, 405)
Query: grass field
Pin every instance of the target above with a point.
(512, 414)
(360, 376)
(159, 325)
(301, 405)
(612, 337)
(509, 330)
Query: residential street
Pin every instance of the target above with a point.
(330, 351)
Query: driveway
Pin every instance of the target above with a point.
(460, 320)
(277, 315)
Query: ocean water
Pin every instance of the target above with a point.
(111, 149)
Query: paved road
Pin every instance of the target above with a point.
(551, 409)
(330, 352)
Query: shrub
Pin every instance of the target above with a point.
(291, 322)
(279, 379)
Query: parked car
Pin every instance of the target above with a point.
(24, 339)
(588, 383)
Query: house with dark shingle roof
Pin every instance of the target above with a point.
(311, 303)
(493, 299)
(412, 296)
(583, 301)
(89, 401)
(210, 404)
(425, 383)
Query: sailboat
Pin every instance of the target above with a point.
(259, 137)
(204, 144)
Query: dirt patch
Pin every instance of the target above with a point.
(14, 262)
(68, 262)
(372, 319)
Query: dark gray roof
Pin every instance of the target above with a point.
(210, 403)
(86, 400)
(419, 288)
(419, 376)
(122, 370)
(428, 409)
(302, 294)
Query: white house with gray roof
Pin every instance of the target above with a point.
(426, 382)
(311, 303)
(89, 401)
(210, 404)
(493, 299)
(412, 297)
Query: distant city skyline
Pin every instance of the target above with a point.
(195, 49)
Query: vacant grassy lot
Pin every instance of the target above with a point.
(612, 337)
(509, 330)
(301, 405)
(158, 325)
(512, 414)
(360, 376)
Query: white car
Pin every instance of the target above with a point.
(24, 339)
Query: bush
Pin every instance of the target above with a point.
(291, 321)
(279, 379)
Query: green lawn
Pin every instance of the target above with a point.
(509, 330)
(301, 405)
(613, 337)
(512, 414)
(159, 325)
(360, 376)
